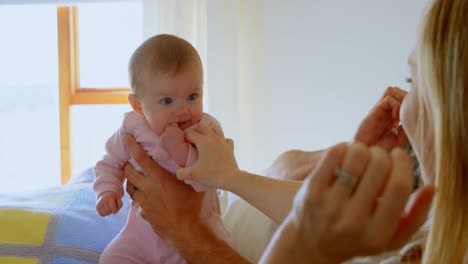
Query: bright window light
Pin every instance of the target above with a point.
(29, 108)
(108, 34)
(29, 138)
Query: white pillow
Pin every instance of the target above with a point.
(250, 229)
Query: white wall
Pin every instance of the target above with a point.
(302, 73)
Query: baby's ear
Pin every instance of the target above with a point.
(134, 102)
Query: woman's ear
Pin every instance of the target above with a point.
(135, 103)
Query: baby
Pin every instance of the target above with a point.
(166, 78)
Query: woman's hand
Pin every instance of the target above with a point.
(173, 208)
(161, 194)
(360, 212)
(216, 164)
(380, 126)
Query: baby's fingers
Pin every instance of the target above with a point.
(112, 206)
(119, 204)
(102, 210)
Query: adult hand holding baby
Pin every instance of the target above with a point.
(216, 165)
(178, 202)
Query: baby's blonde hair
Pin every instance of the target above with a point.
(442, 61)
(161, 55)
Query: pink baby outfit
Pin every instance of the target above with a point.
(137, 243)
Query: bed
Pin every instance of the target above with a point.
(60, 225)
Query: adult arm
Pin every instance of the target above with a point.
(293, 165)
(271, 196)
(160, 193)
(217, 166)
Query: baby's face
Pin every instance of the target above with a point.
(176, 98)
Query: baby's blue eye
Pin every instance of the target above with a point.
(192, 97)
(166, 101)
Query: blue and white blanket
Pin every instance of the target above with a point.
(57, 225)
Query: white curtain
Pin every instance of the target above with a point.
(184, 18)
(228, 36)
(237, 78)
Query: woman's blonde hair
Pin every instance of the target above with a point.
(442, 59)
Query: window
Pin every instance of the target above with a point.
(34, 148)
(96, 53)
(29, 98)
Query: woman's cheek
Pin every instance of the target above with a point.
(409, 113)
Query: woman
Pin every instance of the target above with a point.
(436, 112)
(322, 224)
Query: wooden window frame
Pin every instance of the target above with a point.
(70, 91)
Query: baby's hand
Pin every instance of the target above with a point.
(172, 137)
(108, 203)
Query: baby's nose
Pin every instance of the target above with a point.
(182, 110)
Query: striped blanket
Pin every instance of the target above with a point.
(58, 225)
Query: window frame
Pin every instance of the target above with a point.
(70, 91)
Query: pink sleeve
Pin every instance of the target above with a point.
(109, 171)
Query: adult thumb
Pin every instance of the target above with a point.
(414, 217)
(184, 174)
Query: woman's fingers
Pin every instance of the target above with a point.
(395, 195)
(347, 222)
(215, 157)
(323, 175)
(402, 138)
(185, 173)
(373, 181)
(203, 129)
(218, 131)
(393, 105)
(194, 137)
(230, 142)
(134, 178)
(140, 155)
(395, 92)
(354, 165)
(415, 216)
